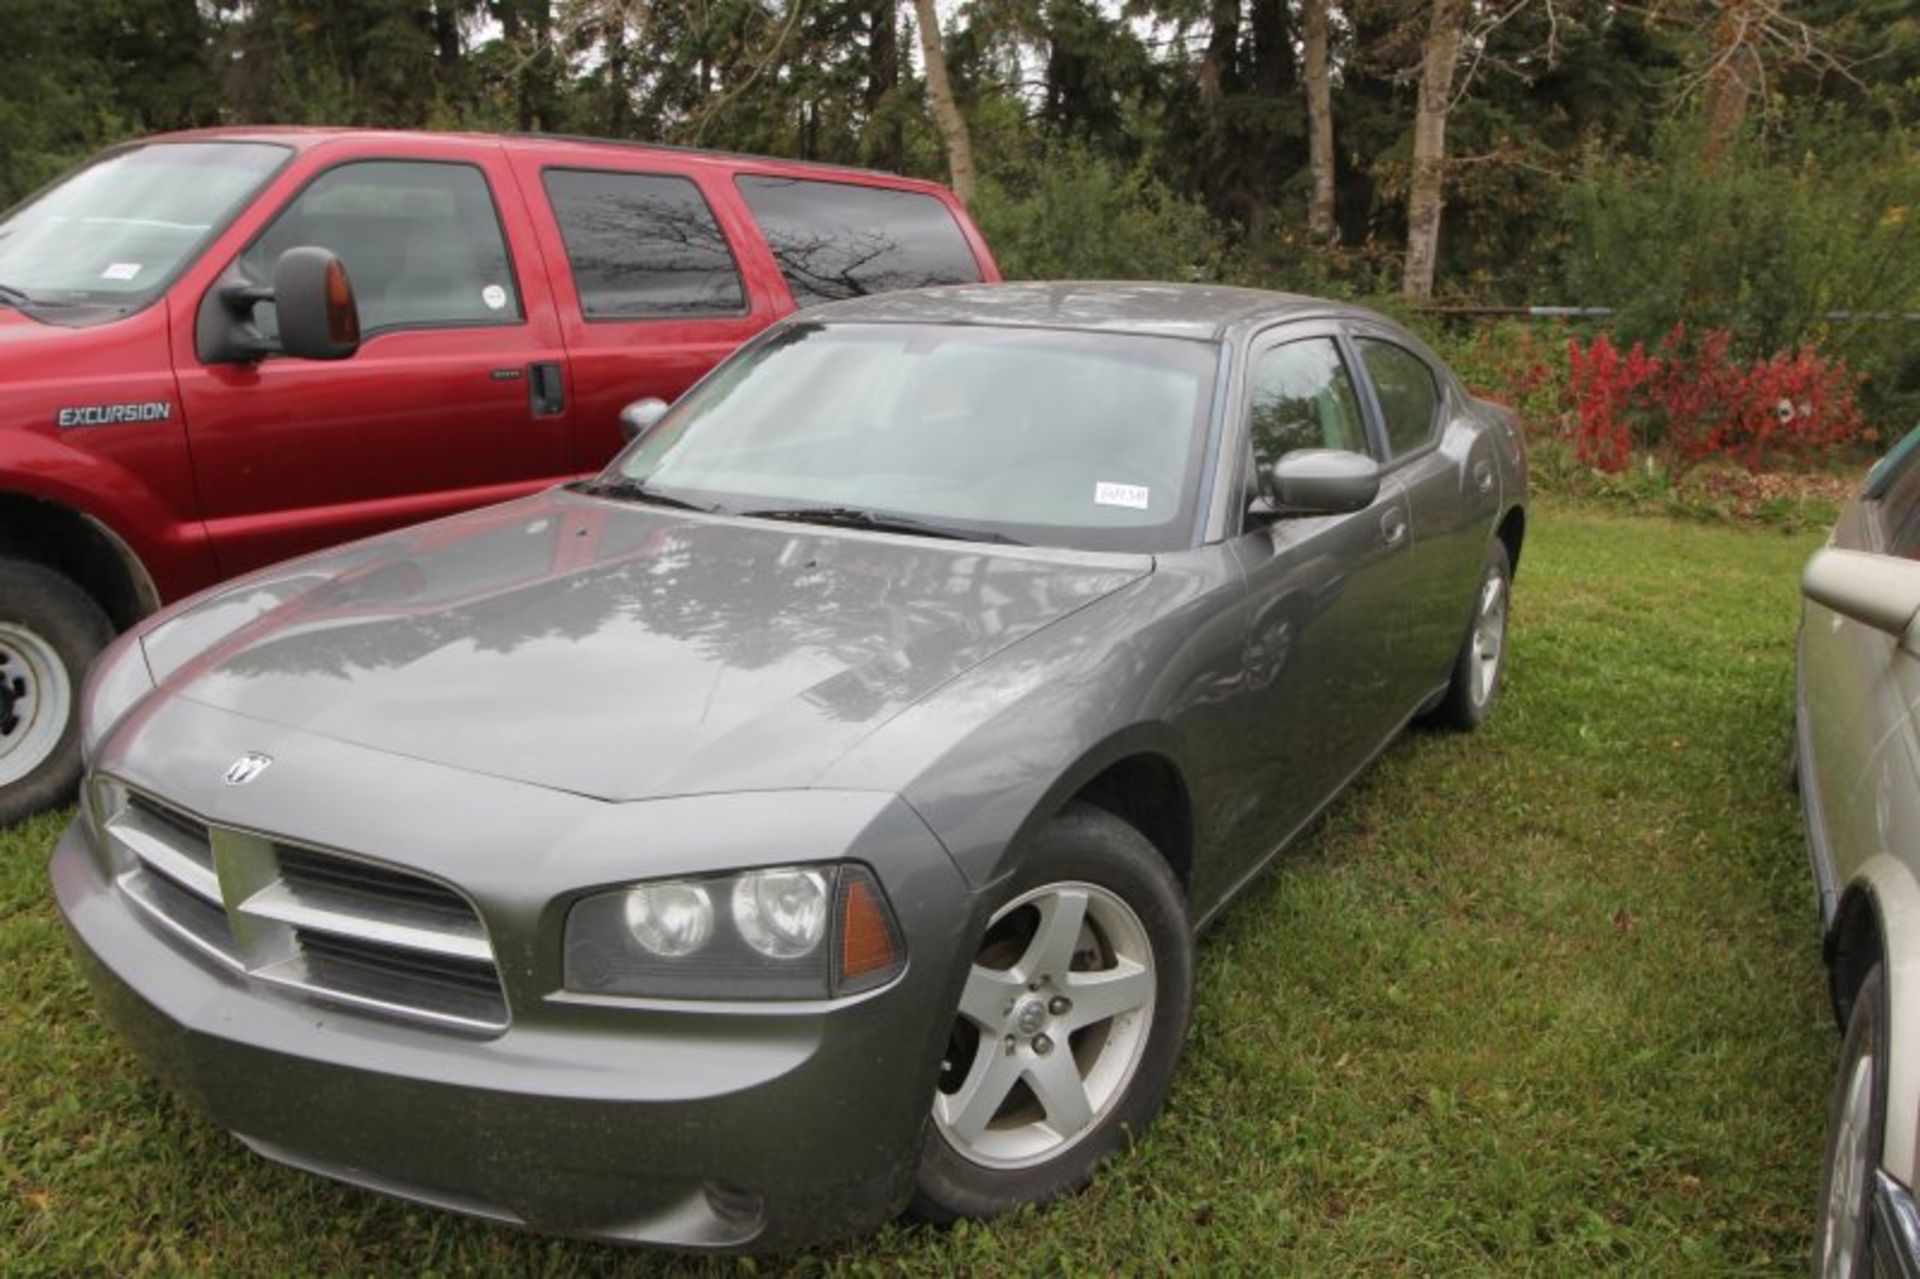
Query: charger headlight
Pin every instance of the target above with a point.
(670, 920)
(781, 913)
(782, 932)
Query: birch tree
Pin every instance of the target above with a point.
(946, 111)
(1319, 82)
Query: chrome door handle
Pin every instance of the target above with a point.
(1393, 528)
(1483, 476)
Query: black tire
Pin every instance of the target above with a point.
(56, 617)
(1464, 707)
(1088, 846)
(1853, 1148)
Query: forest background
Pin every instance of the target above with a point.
(1735, 182)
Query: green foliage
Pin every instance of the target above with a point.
(1165, 138)
(1767, 245)
(1068, 214)
(1520, 364)
(79, 76)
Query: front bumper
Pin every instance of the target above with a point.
(1896, 1229)
(710, 1126)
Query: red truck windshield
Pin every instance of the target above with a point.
(117, 231)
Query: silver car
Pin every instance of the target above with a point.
(1858, 763)
(811, 816)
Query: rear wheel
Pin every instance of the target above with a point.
(50, 630)
(1482, 659)
(1072, 1018)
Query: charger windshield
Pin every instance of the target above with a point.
(1049, 437)
(111, 235)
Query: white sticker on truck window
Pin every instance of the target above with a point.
(1107, 493)
(494, 296)
(120, 271)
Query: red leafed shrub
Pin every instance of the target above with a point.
(1608, 394)
(1694, 401)
(1785, 408)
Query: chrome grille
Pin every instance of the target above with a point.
(334, 926)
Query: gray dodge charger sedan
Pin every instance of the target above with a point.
(811, 816)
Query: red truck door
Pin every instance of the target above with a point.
(458, 395)
(656, 273)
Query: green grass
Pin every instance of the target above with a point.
(1545, 1000)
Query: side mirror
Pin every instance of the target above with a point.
(1320, 482)
(1876, 590)
(639, 417)
(312, 300)
(319, 319)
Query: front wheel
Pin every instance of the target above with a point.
(50, 630)
(1856, 1125)
(1072, 1018)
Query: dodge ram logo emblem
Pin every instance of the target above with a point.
(247, 767)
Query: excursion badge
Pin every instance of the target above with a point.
(114, 414)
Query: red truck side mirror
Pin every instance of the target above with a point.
(313, 302)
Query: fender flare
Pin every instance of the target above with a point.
(1147, 738)
(71, 483)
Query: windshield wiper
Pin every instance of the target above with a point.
(882, 522)
(15, 297)
(637, 491)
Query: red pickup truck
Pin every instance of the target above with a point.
(176, 405)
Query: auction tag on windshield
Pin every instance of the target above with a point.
(1107, 493)
(120, 271)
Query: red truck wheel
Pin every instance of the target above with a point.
(49, 631)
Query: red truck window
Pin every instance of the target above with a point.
(421, 242)
(839, 240)
(642, 245)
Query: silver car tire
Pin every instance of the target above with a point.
(1856, 1128)
(1071, 1019)
(50, 631)
(1481, 662)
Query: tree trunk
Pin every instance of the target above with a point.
(1270, 25)
(1733, 77)
(946, 112)
(1426, 190)
(1220, 64)
(889, 149)
(1320, 209)
(618, 100)
(446, 34)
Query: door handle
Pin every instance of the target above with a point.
(1483, 476)
(546, 389)
(1393, 528)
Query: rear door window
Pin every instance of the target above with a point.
(837, 240)
(421, 242)
(1409, 397)
(643, 245)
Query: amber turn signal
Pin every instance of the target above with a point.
(870, 953)
(343, 317)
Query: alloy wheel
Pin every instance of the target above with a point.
(1053, 1022)
(1489, 636)
(1842, 1234)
